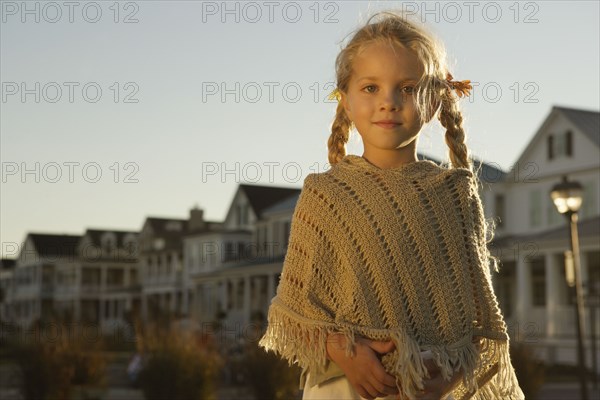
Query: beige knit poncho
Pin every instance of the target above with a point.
(396, 254)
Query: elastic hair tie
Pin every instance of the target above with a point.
(463, 88)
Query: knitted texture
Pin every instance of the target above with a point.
(398, 254)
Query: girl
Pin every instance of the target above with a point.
(386, 287)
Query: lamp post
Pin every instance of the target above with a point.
(566, 196)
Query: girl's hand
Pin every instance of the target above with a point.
(364, 371)
(435, 387)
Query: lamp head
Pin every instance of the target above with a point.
(566, 196)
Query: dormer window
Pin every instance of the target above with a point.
(108, 243)
(242, 214)
(158, 244)
(130, 245)
(176, 226)
(560, 145)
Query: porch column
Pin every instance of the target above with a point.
(553, 278)
(523, 293)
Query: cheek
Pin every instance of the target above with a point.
(362, 107)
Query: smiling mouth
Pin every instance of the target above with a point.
(388, 125)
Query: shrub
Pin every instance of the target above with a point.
(529, 370)
(176, 365)
(269, 376)
(52, 362)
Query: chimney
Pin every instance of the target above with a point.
(196, 222)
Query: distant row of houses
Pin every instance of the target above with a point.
(228, 271)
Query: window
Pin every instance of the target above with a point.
(264, 238)
(505, 287)
(115, 277)
(131, 248)
(560, 145)
(500, 206)
(240, 250)
(228, 252)
(535, 208)
(229, 295)
(240, 294)
(242, 214)
(588, 205)
(538, 282)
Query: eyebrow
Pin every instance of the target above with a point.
(374, 78)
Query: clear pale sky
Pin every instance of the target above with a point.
(189, 87)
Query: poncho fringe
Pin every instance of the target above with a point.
(303, 341)
(356, 237)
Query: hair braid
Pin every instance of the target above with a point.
(451, 118)
(340, 133)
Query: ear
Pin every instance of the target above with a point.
(344, 101)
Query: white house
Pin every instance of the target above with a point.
(34, 277)
(101, 286)
(532, 237)
(233, 268)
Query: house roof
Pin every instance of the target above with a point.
(96, 234)
(287, 204)
(589, 227)
(173, 238)
(48, 245)
(261, 197)
(587, 121)
(160, 225)
(7, 263)
(486, 172)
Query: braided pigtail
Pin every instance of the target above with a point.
(451, 118)
(340, 133)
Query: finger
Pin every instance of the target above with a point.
(362, 392)
(382, 389)
(387, 380)
(374, 393)
(380, 346)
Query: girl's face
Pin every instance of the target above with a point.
(380, 102)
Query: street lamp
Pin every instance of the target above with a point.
(566, 196)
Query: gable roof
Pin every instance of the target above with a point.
(48, 245)
(95, 236)
(585, 120)
(486, 172)
(261, 197)
(173, 239)
(7, 263)
(287, 204)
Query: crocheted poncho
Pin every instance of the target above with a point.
(400, 254)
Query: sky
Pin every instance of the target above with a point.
(113, 111)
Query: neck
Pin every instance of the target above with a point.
(390, 159)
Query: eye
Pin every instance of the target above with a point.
(408, 89)
(366, 88)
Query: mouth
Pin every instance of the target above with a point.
(387, 124)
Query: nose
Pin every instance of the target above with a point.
(391, 100)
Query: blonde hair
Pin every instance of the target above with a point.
(432, 89)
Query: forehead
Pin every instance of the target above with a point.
(384, 61)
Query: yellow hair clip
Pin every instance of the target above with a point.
(335, 95)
